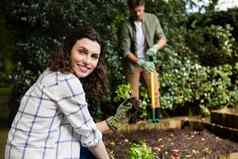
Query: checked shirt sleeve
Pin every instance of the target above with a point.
(70, 98)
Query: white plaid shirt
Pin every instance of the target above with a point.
(52, 121)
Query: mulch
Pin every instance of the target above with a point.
(171, 143)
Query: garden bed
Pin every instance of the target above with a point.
(173, 141)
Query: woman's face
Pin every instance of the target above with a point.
(84, 57)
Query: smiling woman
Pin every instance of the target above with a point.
(53, 114)
(53, 120)
(95, 84)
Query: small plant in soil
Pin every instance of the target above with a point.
(141, 151)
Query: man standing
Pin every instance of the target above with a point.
(142, 37)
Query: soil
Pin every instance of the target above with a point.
(171, 144)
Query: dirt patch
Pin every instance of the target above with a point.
(185, 143)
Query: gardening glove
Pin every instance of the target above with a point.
(121, 116)
(151, 54)
(146, 65)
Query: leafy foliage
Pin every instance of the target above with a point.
(40, 26)
(6, 51)
(145, 100)
(140, 151)
(197, 69)
(184, 81)
(218, 44)
(123, 92)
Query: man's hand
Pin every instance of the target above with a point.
(147, 65)
(151, 53)
(121, 116)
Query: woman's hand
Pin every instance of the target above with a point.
(121, 116)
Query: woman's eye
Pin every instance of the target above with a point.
(82, 52)
(95, 56)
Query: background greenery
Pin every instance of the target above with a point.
(198, 68)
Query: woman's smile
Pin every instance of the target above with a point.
(83, 68)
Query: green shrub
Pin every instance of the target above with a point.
(183, 80)
(215, 45)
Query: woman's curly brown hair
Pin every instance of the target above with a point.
(96, 84)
